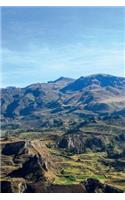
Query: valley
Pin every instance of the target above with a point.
(64, 168)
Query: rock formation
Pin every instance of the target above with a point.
(80, 142)
(32, 169)
(95, 186)
(15, 148)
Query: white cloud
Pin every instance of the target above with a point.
(40, 63)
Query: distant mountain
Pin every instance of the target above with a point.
(102, 80)
(62, 102)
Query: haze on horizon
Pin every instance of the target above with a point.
(41, 44)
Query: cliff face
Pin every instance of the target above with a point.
(24, 164)
(33, 169)
(15, 148)
(80, 142)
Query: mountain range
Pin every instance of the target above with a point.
(63, 102)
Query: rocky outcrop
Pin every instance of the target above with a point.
(27, 165)
(32, 169)
(80, 142)
(15, 148)
(95, 186)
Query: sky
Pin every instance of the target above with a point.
(40, 44)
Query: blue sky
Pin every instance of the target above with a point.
(43, 43)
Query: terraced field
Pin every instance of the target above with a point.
(66, 168)
(77, 168)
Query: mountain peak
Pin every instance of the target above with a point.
(62, 78)
(103, 80)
